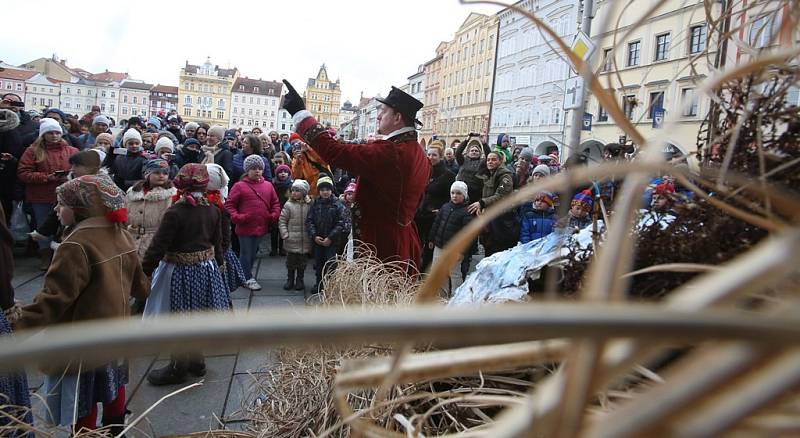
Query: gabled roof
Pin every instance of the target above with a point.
(18, 75)
(164, 89)
(247, 85)
(470, 18)
(223, 72)
(108, 76)
(136, 85)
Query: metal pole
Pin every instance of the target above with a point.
(577, 114)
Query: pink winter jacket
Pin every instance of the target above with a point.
(253, 206)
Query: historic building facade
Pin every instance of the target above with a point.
(254, 103)
(323, 98)
(204, 93)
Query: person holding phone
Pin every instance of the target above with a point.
(17, 131)
(43, 167)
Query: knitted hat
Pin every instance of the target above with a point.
(545, 158)
(153, 120)
(217, 130)
(543, 169)
(295, 136)
(191, 125)
(217, 179)
(548, 197)
(351, 188)
(283, 168)
(584, 200)
(253, 161)
(105, 136)
(664, 188)
(94, 195)
(192, 177)
(325, 182)
(460, 187)
(191, 142)
(48, 125)
(554, 156)
(101, 119)
(155, 166)
(527, 154)
(301, 185)
(55, 111)
(131, 134)
(165, 143)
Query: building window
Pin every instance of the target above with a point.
(602, 114)
(220, 114)
(634, 50)
(187, 100)
(187, 112)
(255, 89)
(112, 108)
(77, 105)
(113, 94)
(102, 106)
(697, 42)
(662, 47)
(689, 102)
(135, 100)
(102, 93)
(79, 91)
(608, 59)
(656, 102)
(124, 98)
(221, 103)
(198, 113)
(761, 32)
(628, 105)
(49, 103)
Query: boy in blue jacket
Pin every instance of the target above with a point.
(538, 221)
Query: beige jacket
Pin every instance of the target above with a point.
(145, 212)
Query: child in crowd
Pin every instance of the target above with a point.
(580, 211)
(127, 169)
(538, 221)
(253, 206)
(165, 150)
(94, 272)
(184, 261)
(103, 144)
(327, 223)
(282, 183)
(348, 198)
(296, 241)
(147, 200)
(539, 172)
(450, 219)
(216, 194)
(662, 198)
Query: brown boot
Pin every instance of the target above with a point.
(45, 257)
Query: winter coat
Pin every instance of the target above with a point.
(16, 134)
(468, 170)
(185, 156)
(308, 168)
(507, 152)
(437, 192)
(185, 228)
(283, 189)
(253, 206)
(328, 218)
(292, 226)
(224, 157)
(145, 211)
(451, 165)
(126, 170)
(34, 175)
(497, 185)
(449, 221)
(94, 273)
(535, 224)
(238, 167)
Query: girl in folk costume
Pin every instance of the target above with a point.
(147, 201)
(292, 225)
(282, 183)
(217, 194)
(253, 205)
(94, 273)
(184, 259)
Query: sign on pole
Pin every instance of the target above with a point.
(574, 91)
(582, 46)
(587, 122)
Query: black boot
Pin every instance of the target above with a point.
(115, 425)
(196, 365)
(171, 374)
(300, 284)
(289, 285)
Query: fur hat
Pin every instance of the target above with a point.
(460, 187)
(301, 185)
(325, 182)
(101, 119)
(164, 143)
(8, 120)
(584, 200)
(253, 161)
(48, 125)
(543, 169)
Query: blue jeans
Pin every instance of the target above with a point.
(40, 212)
(248, 248)
(321, 256)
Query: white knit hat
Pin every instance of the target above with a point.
(460, 187)
(301, 184)
(165, 142)
(131, 134)
(47, 125)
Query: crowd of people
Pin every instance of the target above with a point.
(173, 214)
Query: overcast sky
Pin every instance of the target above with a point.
(367, 44)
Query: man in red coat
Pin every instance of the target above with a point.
(392, 173)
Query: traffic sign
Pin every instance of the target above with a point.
(582, 46)
(587, 122)
(574, 90)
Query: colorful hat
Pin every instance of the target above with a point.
(153, 120)
(325, 182)
(192, 177)
(94, 195)
(584, 200)
(664, 188)
(156, 165)
(351, 188)
(548, 197)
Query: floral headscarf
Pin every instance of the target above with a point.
(191, 181)
(94, 195)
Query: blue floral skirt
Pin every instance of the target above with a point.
(14, 396)
(187, 288)
(234, 274)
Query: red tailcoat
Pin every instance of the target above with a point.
(392, 176)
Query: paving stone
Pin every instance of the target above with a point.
(242, 393)
(192, 410)
(272, 301)
(254, 360)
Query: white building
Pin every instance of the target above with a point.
(529, 79)
(108, 92)
(368, 119)
(284, 124)
(255, 103)
(79, 97)
(42, 92)
(416, 87)
(134, 99)
(347, 113)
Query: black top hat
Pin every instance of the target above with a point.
(403, 103)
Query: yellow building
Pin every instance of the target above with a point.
(323, 98)
(433, 78)
(650, 73)
(467, 69)
(204, 93)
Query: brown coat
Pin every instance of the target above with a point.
(94, 273)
